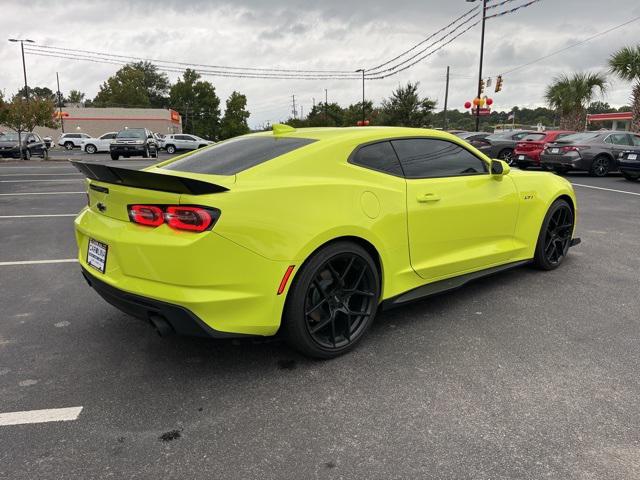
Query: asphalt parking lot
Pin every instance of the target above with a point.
(521, 375)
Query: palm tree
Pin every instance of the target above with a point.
(625, 63)
(570, 95)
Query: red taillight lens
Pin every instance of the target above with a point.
(573, 148)
(195, 219)
(149, 215)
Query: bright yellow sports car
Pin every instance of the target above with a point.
(310, 231)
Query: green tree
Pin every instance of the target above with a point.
(38, 92)
(406, 108)
(197, 102)
(570, 96)
(331, 115)
(136, 84)
(625, 63)
(599, 107)
(23, 116)
(353, 114)
(235, 118)
(75, 96)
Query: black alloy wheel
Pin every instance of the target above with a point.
(333, 301)
(507, 156)
(555, 236)
(600, 166)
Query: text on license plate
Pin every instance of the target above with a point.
(633, 156)
(520, 157)
(97, 255)
(555, 150)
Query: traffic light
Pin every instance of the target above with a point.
(482, 85)
(498, 83)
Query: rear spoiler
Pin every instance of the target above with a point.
(146, 180)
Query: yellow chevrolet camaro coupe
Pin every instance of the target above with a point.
(310, 232)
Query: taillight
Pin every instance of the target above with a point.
(178, 217)
(149, 215)
(573, 148)
(195, 219)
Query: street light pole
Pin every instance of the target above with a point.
(24, 65)
(484, 19)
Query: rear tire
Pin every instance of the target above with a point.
(631, 176)
(27, 154)
(554, 238)
(332, 301)
(600, 166)
(506, 155)
(171, 149)
(68, 145)
(90, 149)
(145, 154)
(115, 156)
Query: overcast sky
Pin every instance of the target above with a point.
(330, 34)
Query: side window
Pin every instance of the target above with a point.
(620, 139)
(31, 138)
(519, 136)
(378, 156)
(190, 138)
(37, 137)
(432, 158)
(636, 140)
(109, 136)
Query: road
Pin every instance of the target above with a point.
(522, 375)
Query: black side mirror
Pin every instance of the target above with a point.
(496, 167)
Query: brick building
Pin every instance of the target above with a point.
(96, 121)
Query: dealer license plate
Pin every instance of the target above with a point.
(97, 255)
(633, 156)
(520, 157)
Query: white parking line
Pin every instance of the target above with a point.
(607, 189)
(40, 180)
(37, 174)
(38, 262)
(41, 216)
(40, 416)
(39, 193)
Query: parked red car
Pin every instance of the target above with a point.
(529, 148)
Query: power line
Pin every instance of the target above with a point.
(222, 67)
(425, 40)
(604, 32)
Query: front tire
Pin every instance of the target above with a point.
(145, 154)
(90, 149)
(332, 301)
(554, 239)
(171, 149)
(27, 154)
(631, 176)
(68, 145)
(115, 156)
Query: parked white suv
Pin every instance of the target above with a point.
(100, 144)
(181, 141)
(72, 140)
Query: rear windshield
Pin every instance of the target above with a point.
(534, 137)
(580, 137)
(131, 133)
(233, 156)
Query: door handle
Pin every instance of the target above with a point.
(428, 197)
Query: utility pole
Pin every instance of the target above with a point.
(24, 65)
(326, 116)
(364, 117)
(293, 97)
(60, 103)
(446, 101)
(484, 19)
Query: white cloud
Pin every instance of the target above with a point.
(324, 35)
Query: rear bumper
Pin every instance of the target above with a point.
(525, 159)
(182, 320)
(198, 278)
(565, 161)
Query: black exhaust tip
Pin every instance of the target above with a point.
(162, 327)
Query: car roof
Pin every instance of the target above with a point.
(359, 134)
